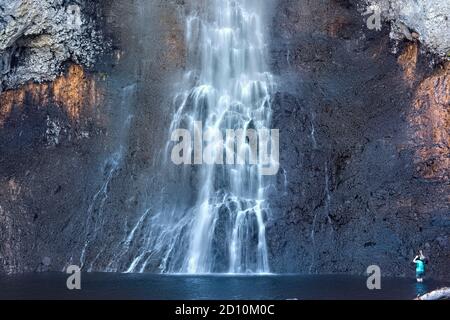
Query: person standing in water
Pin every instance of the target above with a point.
(420, 260)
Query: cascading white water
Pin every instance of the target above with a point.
(227, 86)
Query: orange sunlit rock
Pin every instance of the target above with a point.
(408, 62)
(74, 92)
(8, 100)
(430, 121)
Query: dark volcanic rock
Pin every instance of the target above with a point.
(365, 140)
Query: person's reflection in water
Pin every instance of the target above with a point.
(421, 289)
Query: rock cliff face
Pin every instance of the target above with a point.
(365, 141)
(364, 132)
(45, 125)
(76, 151)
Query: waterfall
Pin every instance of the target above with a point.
(219, 226)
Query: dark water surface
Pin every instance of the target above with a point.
(174, 287)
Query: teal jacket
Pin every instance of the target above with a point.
(420, 266)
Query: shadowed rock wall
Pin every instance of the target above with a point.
(364, 146)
